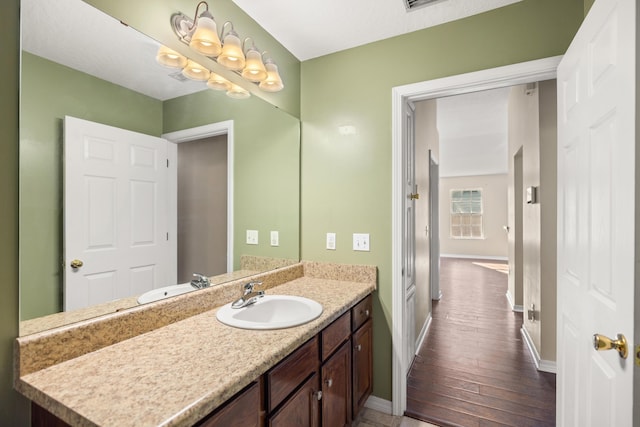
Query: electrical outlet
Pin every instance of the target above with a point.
(361, 242)
(331, 241)
(252, 237)
(275, 238)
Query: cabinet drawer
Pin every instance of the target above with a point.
(361, 312)
(335, 334)
(291, 372)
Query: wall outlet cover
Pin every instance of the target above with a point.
(252, 237)
(331, 241)
(361, 242)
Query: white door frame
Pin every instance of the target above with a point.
(526, 72)
(192, 134)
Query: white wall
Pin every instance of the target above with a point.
(494, 195)
(532, 128)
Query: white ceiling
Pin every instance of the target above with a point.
(314, 28)
(473, 133)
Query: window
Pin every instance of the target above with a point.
(466, 214)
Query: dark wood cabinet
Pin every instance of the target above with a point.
(287, 375)
(362, 366)
(242, 410)
(302, 409)
(336, 388)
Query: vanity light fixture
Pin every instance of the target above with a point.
(254, 69)
(217, 82)
(238, 92)
(273, 82)
(205, 38)
(232, 56)
(170, 58)
(195, 71)
(200, 33)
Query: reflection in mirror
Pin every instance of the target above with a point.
(103, 72)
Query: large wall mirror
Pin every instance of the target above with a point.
(80, 63)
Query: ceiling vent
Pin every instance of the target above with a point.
(178, 76)
(416, 4)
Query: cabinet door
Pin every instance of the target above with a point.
(362, 366)
(301, 409)
(336, 388)
(242, 411)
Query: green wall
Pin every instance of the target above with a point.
(346, 180)
(152, 18)
(13, 408)
(266, 166)
(49, 92)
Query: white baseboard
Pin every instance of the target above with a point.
(494, 258)
(378, 404)
(517, 308)
(423, 333)
(541, 365)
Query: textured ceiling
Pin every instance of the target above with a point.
(311, 29)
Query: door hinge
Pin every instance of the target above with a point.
(167, 235)
(167, 162)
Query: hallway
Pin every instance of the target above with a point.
(474, 368)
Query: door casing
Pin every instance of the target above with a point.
(515, 74)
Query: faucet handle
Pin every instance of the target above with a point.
(200, 281)
(248, 287)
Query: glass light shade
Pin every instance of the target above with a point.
(232, 56)
(273, 82)
(238, 92)
(170, 58)
(217, 82)
(195, 71)
(254, 69)
(205, 38)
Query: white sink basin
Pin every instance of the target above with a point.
(271, 312)
(165, 292)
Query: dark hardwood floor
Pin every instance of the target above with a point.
(474, 368)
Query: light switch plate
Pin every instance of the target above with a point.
(331, 241)
(275, 238)
(361, 242)
(252, 237)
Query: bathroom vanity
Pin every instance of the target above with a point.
(196, 370)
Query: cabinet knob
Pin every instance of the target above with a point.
(366, 313)
(329, 382)
(318, 395)
(359, 347)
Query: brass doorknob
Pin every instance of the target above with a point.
(414, 196)
(76, 263)
(600, 343)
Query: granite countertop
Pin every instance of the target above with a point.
(175, 375)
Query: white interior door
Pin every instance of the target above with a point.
(409, 232)
(115, 213)
(596, 217)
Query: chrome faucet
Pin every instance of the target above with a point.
(250, 296)
(201, 281)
